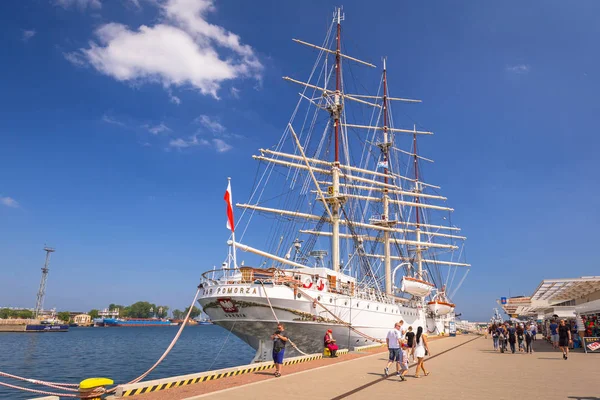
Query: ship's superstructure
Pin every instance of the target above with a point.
(345, 232)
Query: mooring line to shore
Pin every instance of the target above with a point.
(367, 385)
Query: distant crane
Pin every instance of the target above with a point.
(39, 305)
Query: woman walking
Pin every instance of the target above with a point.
(421, 349)
(502, 337)
(520, 337)
(495, 336)
(529, 340)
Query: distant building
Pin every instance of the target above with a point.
(82, 319)
(106, 313)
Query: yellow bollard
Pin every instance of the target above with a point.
(87, 387)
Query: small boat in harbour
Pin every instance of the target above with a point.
(129, 322)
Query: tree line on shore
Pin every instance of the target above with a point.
(140, 309)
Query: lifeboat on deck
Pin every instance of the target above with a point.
(416, 287)
(439, 307)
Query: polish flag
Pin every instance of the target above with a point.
(229, 202)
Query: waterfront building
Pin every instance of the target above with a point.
(82, 319)
(576, 300)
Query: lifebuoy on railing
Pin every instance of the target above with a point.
(321, 285)
(307, 284)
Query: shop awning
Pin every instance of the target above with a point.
(559, 290)
(592, 307)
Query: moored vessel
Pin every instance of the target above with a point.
(356, 239)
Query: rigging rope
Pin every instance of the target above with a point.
(277, 319)
(341, 320)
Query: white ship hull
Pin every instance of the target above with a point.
(247, 314)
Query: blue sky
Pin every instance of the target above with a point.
(119, 158)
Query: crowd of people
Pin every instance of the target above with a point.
(521, 336)
(402, 345)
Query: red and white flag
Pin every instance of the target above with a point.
(229, 202)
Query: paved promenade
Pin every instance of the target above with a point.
(471, 371)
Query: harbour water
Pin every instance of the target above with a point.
(117, 353)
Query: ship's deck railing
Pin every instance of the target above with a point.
(275, 276)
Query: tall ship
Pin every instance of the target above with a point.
(343, 231)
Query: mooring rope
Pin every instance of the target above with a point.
(277, 319)
(99, 391)
(341, 320)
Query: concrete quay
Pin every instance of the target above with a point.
(462, 367)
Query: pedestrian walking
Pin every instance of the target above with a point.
(393, 341)
(554, 334)
(521, 338)
(329, 343)
(404, 362)
(421, 349)
(502, 337)
(564, 338)
(279, 341)
(495, 336)
(533, 330)
(512, 338)
(410, 339)
(529, 340)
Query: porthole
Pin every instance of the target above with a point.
(367, 306)
(386, 310)
(299, 295)
(331, 300)
(319, 298)
(345, 303)
(357, 304)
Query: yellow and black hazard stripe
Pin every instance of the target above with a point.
(154, 388)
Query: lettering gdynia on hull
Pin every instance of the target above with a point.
(345, 233)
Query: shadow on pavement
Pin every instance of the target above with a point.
(584, 397)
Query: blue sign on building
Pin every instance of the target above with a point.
(503, 300)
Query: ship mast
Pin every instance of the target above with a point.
(336, 110)
(417, 191)
(385, 217)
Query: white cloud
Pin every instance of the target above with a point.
(28, 34)
(75, 59)
(182, 50)
(160, 128)
(9, 202)
(221, 146)
(174, 99)
(110, 120)
(235, 92)
(180, 143)
(210, 123)
(82, 4)
(518, 69)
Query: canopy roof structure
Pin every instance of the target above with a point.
(558, 290)
(552, 293)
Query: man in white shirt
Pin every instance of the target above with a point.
(394, 342)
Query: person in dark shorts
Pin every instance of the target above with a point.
(279, 341)
(410, 337)
(394, 341)
(564, 338)
(512, 338)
